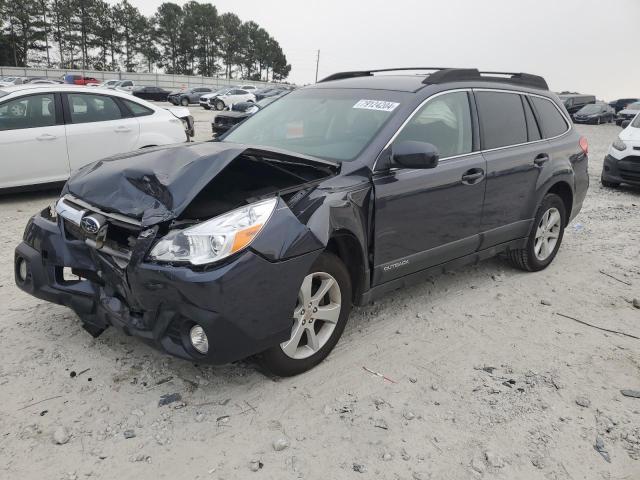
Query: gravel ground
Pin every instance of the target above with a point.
(486, 380)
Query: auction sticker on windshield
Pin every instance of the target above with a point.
(376, 105)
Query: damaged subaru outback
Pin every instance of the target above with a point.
(259, 244)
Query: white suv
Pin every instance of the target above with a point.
(48, 131)
(230, 97)
(622, 162)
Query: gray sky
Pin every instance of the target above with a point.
(588, 46)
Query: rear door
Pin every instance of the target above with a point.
(427, 217)
(515, 154)
(32, 141)
(97, 126)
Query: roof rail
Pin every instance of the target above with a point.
(442, 75)
(369, 73)
(460, 75)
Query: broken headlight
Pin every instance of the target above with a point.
(217, 238)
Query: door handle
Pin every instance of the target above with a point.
(46, 136)
(472, 176)
(122, 130)
(541, 159)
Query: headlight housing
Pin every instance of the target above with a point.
(217, 238)
(618, 144)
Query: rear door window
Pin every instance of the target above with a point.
(552, 121)
(502, 119)
(86, 108)
(533, 132)
(32, 111)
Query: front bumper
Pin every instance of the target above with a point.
(244, 304)
(623, 170)
(622, 118)
(219, 129)
(588, 120)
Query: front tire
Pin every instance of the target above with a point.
(319, 318)
(545, 237)
(184, 102)
(219, 105)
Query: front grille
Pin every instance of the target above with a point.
(73, 231)
(629, 169)
(630, 176)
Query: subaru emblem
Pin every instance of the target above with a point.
(92, 224)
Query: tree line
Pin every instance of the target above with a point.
(92, 34)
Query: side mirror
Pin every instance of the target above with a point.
(412, 154)
(625, 123)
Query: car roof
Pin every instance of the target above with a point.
(400, 83)
(60, 87)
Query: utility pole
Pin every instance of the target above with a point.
(317, 64)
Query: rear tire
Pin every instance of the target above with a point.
(318, 319)
(545, 237)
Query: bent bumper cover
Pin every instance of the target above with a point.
(624, 170)
(244, 305)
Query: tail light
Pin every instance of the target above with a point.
(584, 145)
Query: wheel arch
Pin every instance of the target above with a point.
(564, 191)
(346, 246)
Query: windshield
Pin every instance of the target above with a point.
(326, 123)
(634, 124)
(3, 93)
(587, 109)
(634, 106)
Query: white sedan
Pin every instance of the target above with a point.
(48, 131)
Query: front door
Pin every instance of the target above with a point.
(32, 141)
(427, 217)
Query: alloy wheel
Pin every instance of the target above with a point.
(547, 234)
(315, 316)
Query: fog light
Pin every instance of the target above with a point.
(199, 339)
(22, 269)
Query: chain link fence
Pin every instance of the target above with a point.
(163, 80)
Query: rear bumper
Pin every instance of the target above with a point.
(239, 305)
(624, 170)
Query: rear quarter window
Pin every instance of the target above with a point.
(552, 121)
(502, 119)
(136, 109)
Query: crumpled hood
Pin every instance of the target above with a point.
(155, 185)
(158, 184)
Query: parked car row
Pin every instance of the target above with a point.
(586, 109)
(12, 80)
(239, 112)
(48, 131)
